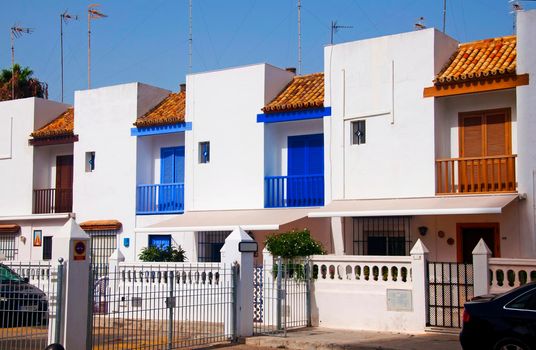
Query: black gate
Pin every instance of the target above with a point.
(102, 244)
(450, 285)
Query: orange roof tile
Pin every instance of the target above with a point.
(305, 91)
(171, 110)
(63, 125)
(480, 59)
(101, 225)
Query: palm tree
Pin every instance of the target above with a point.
(25, 85)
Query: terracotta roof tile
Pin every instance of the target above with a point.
(170, 111)
(63, 125)
(9, 228)
(480, 59)
(305, 91)
(101, 225)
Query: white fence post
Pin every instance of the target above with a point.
(419, 268)
(114, 277)
(481, 255)
(244, 290)
(72, 244)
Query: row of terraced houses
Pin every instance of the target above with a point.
(403, 137)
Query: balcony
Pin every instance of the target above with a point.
(293, 191)
(160, 199)
(53, 200)
(476, 175)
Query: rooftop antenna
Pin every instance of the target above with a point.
(299, 38)
(419, 25)
(516, 7)
(335, 28)
(16, 32)
(92, 13)
(64, 17)
(444, 16)
(190, 39)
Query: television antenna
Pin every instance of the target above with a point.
(64, 17)
(16, 32)
(92, 13)
(515, 8)
(419, 25)
(335, 28)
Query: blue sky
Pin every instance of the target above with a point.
(147, 41)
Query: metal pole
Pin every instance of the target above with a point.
(235, 270)
(171, 306)
(59, 301)
(332, 28)
(190, 39)
(279, 293)
(61, 49)
(299, 38)
(444, 15)
(90, 305)
(12, 66)
(88, 50)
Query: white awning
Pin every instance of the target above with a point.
(444, 205)
(228, 220)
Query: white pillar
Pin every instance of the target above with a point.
(337, 234)
(419, 260)
(244, 298)
(114, 279)
(481, 255)
(76, 276)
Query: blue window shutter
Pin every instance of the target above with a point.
(179, 165)
(166, 165)
(306, 155)
(160, 241)
(315, 155)
(296, 156)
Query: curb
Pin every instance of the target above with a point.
(283, 343)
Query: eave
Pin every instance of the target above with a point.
(476, 86)
(54, 140)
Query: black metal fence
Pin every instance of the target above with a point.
(282, 293)
(162, 306)
(28, 305)
(102, 245)
(450, 285)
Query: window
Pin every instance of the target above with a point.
(358, 132)
(209, 244)
(7, 246)
(47, 247)
(526, 301)
(204, 152)
(103, 244)
(90, 161)
(381, 235)
(160, 241)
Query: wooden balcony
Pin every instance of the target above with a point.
(160, 199)
(476, 175)
(53, 200)
(293, 191)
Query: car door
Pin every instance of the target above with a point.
(520, 316)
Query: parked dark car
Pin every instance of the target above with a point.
(21, 304)
(501, 322)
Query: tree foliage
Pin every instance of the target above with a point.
(296, 243)
(24, 83)
(168, 254)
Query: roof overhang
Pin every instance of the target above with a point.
(491, 83)
(161, 129)
(37, 217)
(9, 228)
(53, 140)
(228, 220)
(101, 225)
(439, 205)
(290, 116)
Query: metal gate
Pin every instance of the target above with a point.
(29, 297)
(101, 245)
(450, 285)
(162, 306)
(281, 296)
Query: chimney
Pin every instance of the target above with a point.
(183, 87)
(291, 69)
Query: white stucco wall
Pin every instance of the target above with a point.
(526, 129)
(18, 119)
(223, 107)
(381, 80)
(104, 118)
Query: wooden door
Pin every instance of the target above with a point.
(484, 139)
(64, 184)
(469, 234)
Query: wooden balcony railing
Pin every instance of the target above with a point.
(160, 198)
(53, 200)
(476, 175)
(293, 191)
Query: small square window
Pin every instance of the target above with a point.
(90, 161)
(160, 241)
(204, 152)
(358, 132)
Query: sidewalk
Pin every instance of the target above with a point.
(336, 339)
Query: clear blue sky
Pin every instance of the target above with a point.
(147, 40)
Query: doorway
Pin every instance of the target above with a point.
(469, 234)
(64, 184)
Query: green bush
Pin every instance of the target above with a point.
(293, 244)
(158, 254)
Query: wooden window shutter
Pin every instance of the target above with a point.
(497, 134)
(472, 137)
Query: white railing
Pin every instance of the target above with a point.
(362, 269)
(506, 274)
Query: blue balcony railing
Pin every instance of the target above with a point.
(160, 199)
(293, 191)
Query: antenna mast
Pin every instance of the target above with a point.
(335, 28)
(299, 38)
(64, 17)
(190, 39)
(16, 32)
(92, 13)
(444, 15)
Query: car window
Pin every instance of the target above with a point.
(526, 301)
(6, 275)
